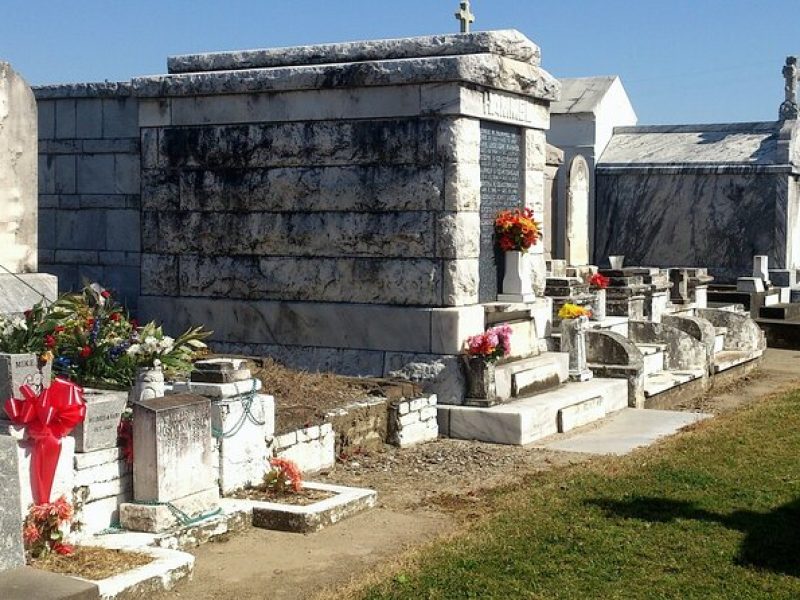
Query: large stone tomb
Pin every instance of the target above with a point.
(173, 469)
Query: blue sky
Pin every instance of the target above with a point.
(681, 61)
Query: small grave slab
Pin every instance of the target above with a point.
(163, 573)
(345, 502)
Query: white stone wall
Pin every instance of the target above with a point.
(311, 448)
(413, 422)
(102, 480)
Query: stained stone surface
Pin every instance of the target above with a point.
(11, 550)
(510, 43)
(501, 189)
(678, 195)
(490, 70)
(172, 438)
(18, 179)
(17, 370)
(103, 413)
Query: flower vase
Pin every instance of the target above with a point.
(517, 284)
(616, 261)
(599, 306)
(480, 378)
(573, 341)
(149, 384)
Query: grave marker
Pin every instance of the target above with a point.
(12, 554)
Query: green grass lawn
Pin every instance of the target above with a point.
(713, 513)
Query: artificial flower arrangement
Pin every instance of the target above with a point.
(92, 340)
(284, 477)
(599, 281)
(516, 230)
(573, 311)
(490, 345)
(45, 526)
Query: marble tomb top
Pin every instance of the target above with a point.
(503, 60)
(758, 146)
(508, 42)
(582, 94)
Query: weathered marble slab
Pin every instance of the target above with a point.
(508, 42)
(734, 143)
(18, 175)
(11, 551)
(373, 188)
(396, 234)
(488, 70)
(692, 219)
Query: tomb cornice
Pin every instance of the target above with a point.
(509, 43)
(487, 70)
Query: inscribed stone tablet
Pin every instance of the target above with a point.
(501, 188)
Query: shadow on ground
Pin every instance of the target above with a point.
(772, 539)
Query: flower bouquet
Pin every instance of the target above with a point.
(573, 311)
(481, 352)
(516, 230)
(599, 282)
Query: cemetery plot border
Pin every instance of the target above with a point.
(311, 518)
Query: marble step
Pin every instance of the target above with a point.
(653, 355)
(786, 312)
(728, 359)
(538, 373)
(663, 381)
(719, 338)
(611, 323)
(526, 420)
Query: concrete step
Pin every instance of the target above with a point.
(719, 338)
(786, 312)
(614, 324)
(526, 420)
(731, 358)
(663, 381)
(653, 357)
(526, 376)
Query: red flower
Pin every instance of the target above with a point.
(599, 281)
(63, 509)
(59, 329)
(105, 294)
(506, 243)
(28, 314)
(114, 316)
(63, 549)
(86, 352)
(31, 534)
(49, 341)
(134, 323)
(89, 322)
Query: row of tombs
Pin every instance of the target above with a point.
(651, 339)
(339, 235)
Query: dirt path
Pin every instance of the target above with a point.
(423, 492)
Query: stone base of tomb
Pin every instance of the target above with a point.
(102, 481)
(21, 291)
(161, 516)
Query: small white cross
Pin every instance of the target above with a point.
(465, 16)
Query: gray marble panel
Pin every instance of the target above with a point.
(669, 220)
(11, 550)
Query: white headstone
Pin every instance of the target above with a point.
(761, 267)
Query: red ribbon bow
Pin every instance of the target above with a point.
(48, 417)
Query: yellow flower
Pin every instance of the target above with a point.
(573, 311)
(46, 356)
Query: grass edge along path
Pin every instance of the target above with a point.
(711, 513)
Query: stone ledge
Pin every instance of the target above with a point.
(489, 70)
(313, 517)
(507, 42)
(27, 583)
(101, 89)
(168, 568)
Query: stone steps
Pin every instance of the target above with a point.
(653, 355)
(730, 358)
(663, 381)
(782, 311)
(526, 376)
(526, 420)
(719, 338)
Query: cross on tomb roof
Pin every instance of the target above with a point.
(789, 108)
(465, 16)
